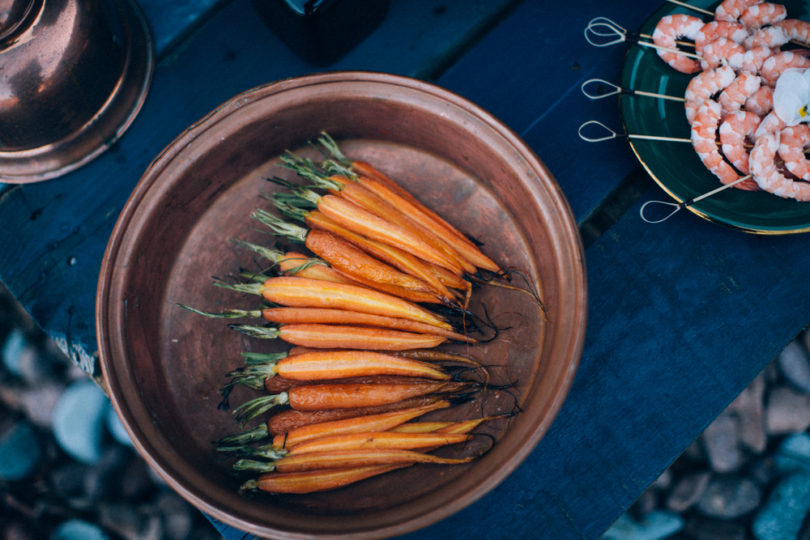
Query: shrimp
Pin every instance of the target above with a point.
(737, 128)
(770, 36)
(717, 29)
(792, 142)
(722, 52)
(761, 101)
(671, 28)
(762, 162)
(734, 96)
(703, 86)
(770, 124)
(763, 14)
(730, 10)
(773, 67)
(796, 30)
(704, 140)
(754, 58)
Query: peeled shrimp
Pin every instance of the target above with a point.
(671, 28)
(773, 67)
(734, 96)
(723, 52)
(770, 124)
(703, 86)
(717, 29)
(737, 128)
(770, 36)
(704, 140)
(792, 142)
(796, 30)
(763, 14)
(760, 102)
(730, 10)
(766, 174)
(754, 58)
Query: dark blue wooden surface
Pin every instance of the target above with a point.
(681, 315)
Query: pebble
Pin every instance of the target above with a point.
(702, 528)
(68, 480)
(656, 525)
(13, 349)
(102, 481)
(793, 455)
(123, 519)
(116, 428)
(687, 491)
(794, 362)
(76, 529)
(788, 411)
(78, 421)
(782, 514)
(749, 407)
(176, 518)
(721, 440)
(38, 402)
(20, 452)
(729, 497)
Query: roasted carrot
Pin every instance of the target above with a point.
(354, 191)
(344, 459)
(361, 221)
(350, 261)
(287, 420)
(381, 440)
(464, 426)
(286, 315)
(418, 354)
(292, 263)
(376, 181)
(314, 481)
(322, 365)
(316, 397)
(373, 422)
(334, 336)
(305, 292)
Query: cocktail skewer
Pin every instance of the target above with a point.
(591, 90)
(604, 32)
(676, 207)
(611, 134)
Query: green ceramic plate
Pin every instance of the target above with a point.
(674, 165)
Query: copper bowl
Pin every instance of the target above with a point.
(163, 365)
(75, 74)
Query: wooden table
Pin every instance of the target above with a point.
(682, 315)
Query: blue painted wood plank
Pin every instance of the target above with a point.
(539, 96)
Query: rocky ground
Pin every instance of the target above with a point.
(68, 470)
(747, 476)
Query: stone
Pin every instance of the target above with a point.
(177, 519)
(793, 454)
(729, 497)
(664, 480)
(39, 401)
(749, 408)
(687, 491)
(20, 452)
(116, 428)
(780, 518)
(135, 480)
(103, 480)
(76, 529)
(656, 525)
(14, 347)
(794, 363)
(123, 519)
(78, 420)
(788, 411)
(722, 443)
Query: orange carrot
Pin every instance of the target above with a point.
(316, 397)
(314, 481)
(438, 277)
(333, 336)
(290, 419)
(321, 365)
(381, 440)
(296, 264)
(372, 422)
(288, 315)
(344, 459)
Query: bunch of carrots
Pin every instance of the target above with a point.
(384, 278)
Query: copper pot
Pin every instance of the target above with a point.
(74, 75)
